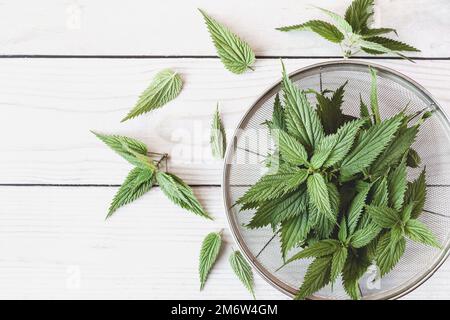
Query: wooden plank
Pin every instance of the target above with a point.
(49, 105)
(106, 27)
(55, 244)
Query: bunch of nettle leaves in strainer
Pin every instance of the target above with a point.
(340, 190)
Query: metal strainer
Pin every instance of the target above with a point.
(251, 143)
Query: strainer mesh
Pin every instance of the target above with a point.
(251, 144)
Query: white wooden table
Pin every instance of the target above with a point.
(70, 66)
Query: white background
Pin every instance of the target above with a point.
(67, 67)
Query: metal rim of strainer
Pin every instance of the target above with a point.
(394, 293)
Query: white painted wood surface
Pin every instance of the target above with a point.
(54, 242)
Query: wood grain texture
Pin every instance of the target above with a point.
(49, 105)
(173, 27)
(55, 244)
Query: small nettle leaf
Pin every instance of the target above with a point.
(371, 143)
(322, 28)
(389, 253)
(391, 44)
(363, 237)
(316, 250)
(329, 109)
(294, 231)
(165, 86)
(291, 150)
(380, 196)
(358, 14)
(377, 31)
(218, 138)
(318, 194)
(242, 270)
(397, 186)
(180, 193)
(364, 110)
(341, 23)
(338, 262)
(278, 117)
(323, 151)
(137, 183)
(419, 232)
(126, 147)
(356, 207)
(416, 192)
(302, 121)
(235, 54)
(356, 265)
(376, 48)
(383, 216)
(374, 96)
(317, 276)
(208, 255)
(413, 159)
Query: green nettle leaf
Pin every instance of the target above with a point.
(302, 121)
(355, 267)
(389, 253)
(278, 118)
(323, 151)
(317, 250)
(341, 23)
(391, 44)
(319, 197)
(358, 14)
(380, 196)
(376, 48)
(344, 141)
(413, 159)
(356, 207)
(338, 262)
(371, 143)
(417, 231)
(138, 182)
(383, 216)
(363, 237)
(416, 192)
(128, 148)
(343, 231)
(218, 138)
(374, 96)
(275, 185)
(397, 186)
(166, 86)
(208, 255)
(329, 109)
(290, 149)
(377, 31)
(317, 276)
(242, 270)
(322, 28)
(294, 231)
(364, 111)
(280, 209)
(235, 54)
(180, 193)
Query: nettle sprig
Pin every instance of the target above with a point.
(146, 174)
(340, 190)
(353, 32)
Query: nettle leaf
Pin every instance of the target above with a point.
(165, 86)
(341, 23)
(389, 253)
(323, 151)
(302, 121)
(208, 255)
(319, 197)
(356, 207)
(397, 186)
(419, 232)
(218, 138)
(391, 44)
(364, 111)
(290, 149)
(416, 192)
(128, 148)
(278, 118)
(363, 237)
(180, 193)
(395, 151)
(344, 141)
(280, 209)
(316, 250)
(371, 143)
(322, 28)
(374, 96)
(317, 276)
(275, 185)
(383, 216)
(329, 109)
(376, 48)
(235, 54)
(413, 159)
(377, 31)
(242, 270)
(355, 267)
(137, 183)
(338, 262)
(380, 194)
(358, 14)
(295, 230)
